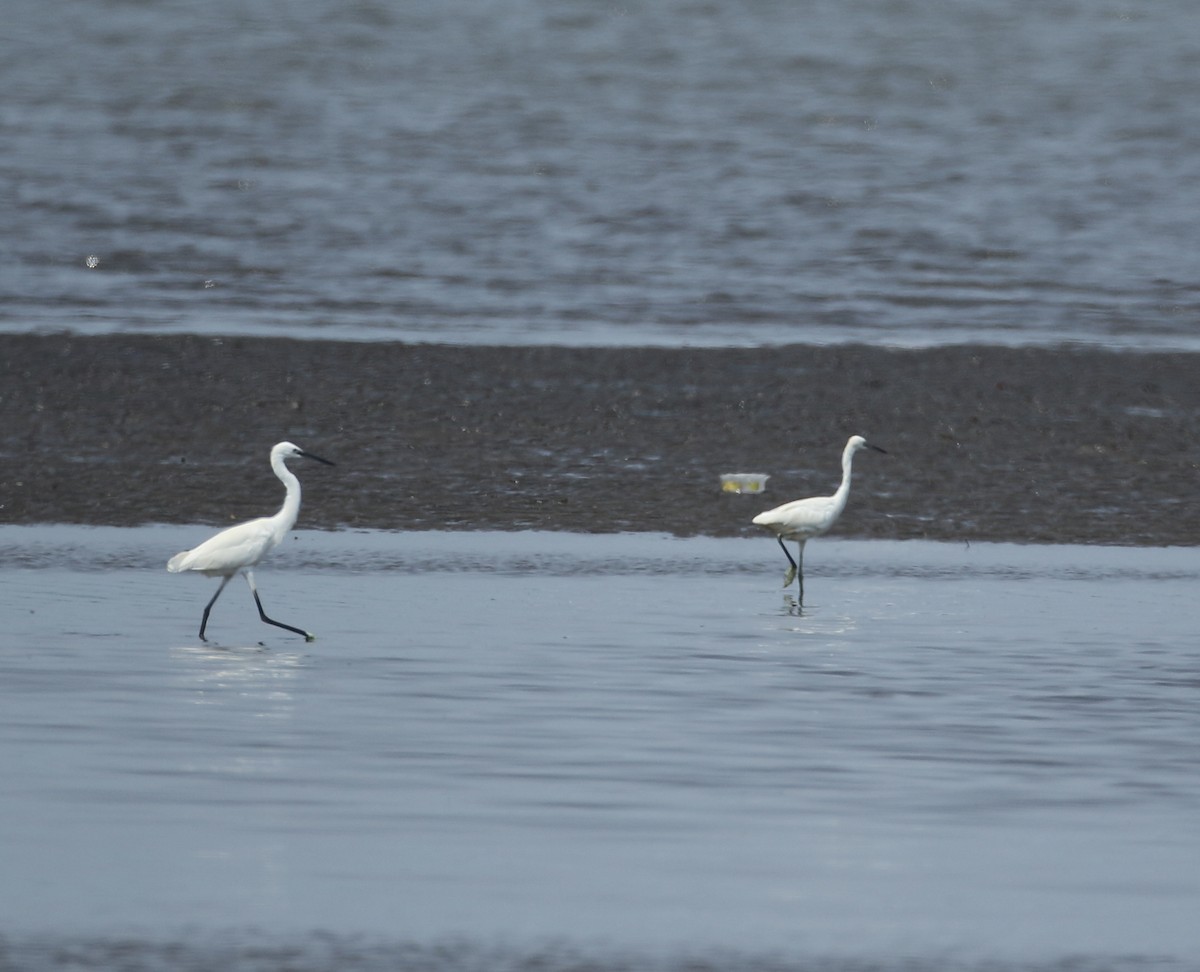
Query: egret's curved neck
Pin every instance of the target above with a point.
(843, 490)
(287, 514)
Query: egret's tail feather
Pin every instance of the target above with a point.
(175, 564)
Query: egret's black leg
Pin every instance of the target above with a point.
(279, 624)
(794, 569)
(263, 614)
(800, 569)
(208, 606)
(786, 553)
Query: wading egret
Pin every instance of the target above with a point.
(241, 547)
(803, 519)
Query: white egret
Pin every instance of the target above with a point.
(240, 548)
(803, 519)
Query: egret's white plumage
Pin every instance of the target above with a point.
(803, 519)
(240, 548)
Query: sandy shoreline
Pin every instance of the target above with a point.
(1039, 445)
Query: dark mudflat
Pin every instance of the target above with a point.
(1045, 445)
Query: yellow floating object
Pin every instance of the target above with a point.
(744, 482)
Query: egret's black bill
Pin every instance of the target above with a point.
(309, 455)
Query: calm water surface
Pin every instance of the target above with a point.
(650, 171)
(630, 741)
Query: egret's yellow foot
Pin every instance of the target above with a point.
(789, 577)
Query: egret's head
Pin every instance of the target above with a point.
(858, 442)
(289, 450)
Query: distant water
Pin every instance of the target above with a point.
(571, 171)
(625, 743)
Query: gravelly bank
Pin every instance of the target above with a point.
(1063, 445)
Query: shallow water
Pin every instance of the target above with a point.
(539, 171)
(628, 742)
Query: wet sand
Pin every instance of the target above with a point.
(1058, 445)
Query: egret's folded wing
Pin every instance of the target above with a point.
(798, 516)
(230, 550)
